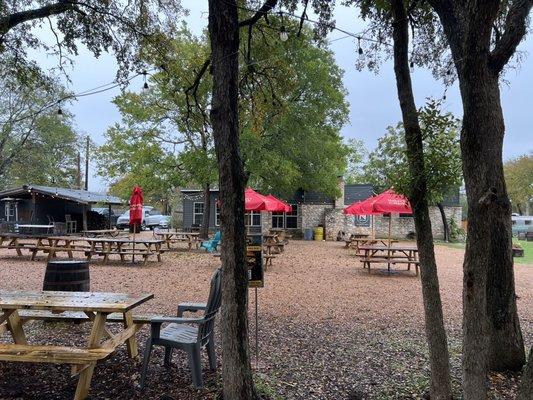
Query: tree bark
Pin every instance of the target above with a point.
(440, 388)
(491, 329)
(237, 383)
(204, 230)
(445, 225)
(525, 390)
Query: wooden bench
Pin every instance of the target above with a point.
(51, 354)
(73, 316)
(375, 260)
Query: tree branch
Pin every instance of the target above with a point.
(10, 21)
(267, 6)
(515, 30)
(302, 18)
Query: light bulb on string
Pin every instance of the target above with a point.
(412, 66)
(145, 85)
(59, 110)
(360, 49)
(283, 34)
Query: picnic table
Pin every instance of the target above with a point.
(101, 246)
(100, 344)
(398, 254)
(103, 233)
(172, 237)
(369, 241)
(33, 227)
(354, 236)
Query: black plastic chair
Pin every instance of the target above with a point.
(188, 334)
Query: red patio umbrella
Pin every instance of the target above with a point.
(254, 201)
(387, 202)
(136, 212)
(283, 207)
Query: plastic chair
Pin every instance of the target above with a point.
(211, 245)
(188, 334)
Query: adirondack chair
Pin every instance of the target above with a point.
(211, 245)
(188, 334)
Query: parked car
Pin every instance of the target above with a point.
(105, 212)
(151, 218)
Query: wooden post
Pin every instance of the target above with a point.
(388, 250)
(85, 217)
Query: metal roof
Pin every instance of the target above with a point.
(78, 195)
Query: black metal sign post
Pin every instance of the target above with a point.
(254, 256)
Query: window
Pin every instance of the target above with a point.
(252, 218)
(286, 220)
(403, 215)
(217, 214)
(198, 213)
(291, 219)
(278, 220)
(527, 222)
(10, 210)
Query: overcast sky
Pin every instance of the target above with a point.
(372, 98)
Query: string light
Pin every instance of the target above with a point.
(59, 110)
(283, 34)
(360, 49)
(412, 66)
(145, 85)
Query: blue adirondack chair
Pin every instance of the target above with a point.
(211, 245)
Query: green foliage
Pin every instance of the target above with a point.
(356, 162)
(519, 180)
(456, 232)
(387, 165)
(120, 27)
(292, 107)
(36, 146)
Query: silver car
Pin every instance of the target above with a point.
(151, 218)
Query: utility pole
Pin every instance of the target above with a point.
(87, 165)
(79, 172)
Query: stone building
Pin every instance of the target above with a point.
(312, 209)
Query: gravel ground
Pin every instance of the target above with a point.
(328, 329)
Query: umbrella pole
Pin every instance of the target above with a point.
(134, 230)
(388, 251)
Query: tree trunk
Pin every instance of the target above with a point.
(519, 208)
(237, 383)
(204, 231)
(525, 390)
(440, 388)
(489, 236)
(445, 225)
(491, 329)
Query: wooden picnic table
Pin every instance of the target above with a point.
(369, 241)
(172, 236)
(103, 246)
(97, 306)
(389, 255)
(33, 227)
(103, 232)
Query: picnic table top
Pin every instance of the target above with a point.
(71, 301)
(395, 247)
(170, 233)
(105, 239)
(35, 226)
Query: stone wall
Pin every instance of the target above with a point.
(312, 215)
(336, 221)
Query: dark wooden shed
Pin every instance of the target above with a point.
(42, 204)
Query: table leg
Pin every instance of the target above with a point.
(14, 324)
(17, 247)
(158, 250)
(131, 343)
(84, 381)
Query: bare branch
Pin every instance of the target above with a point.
(267, 6)
(515, 30)
(302, 18)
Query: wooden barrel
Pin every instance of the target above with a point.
(67, 275)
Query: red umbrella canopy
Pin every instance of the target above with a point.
(254, 201)
(136, 206)
(283, 207)
(391, 202)
(386, 202)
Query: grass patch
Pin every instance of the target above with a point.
(527, 246)
(528, 252)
